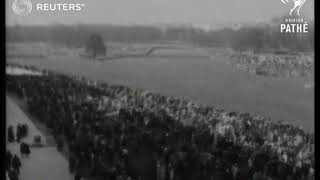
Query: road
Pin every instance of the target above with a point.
(44, 163)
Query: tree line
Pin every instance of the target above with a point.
(255, 38)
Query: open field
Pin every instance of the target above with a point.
(114, 50)
(205, 80)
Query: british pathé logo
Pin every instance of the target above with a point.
(297, 5)
(22, 7)
(294, 24)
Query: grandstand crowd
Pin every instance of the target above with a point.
(114, 132)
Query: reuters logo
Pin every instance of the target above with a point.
(22, 7)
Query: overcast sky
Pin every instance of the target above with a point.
(201, 13)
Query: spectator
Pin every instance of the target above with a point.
(10, 134)
(16, 163)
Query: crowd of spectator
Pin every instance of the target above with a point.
(297, 65)
(276, 64)
(117, 133)
(12, 161)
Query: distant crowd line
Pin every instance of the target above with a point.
(271, 64)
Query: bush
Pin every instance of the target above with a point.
(95, 46)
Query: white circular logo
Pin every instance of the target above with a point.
(22, 7)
